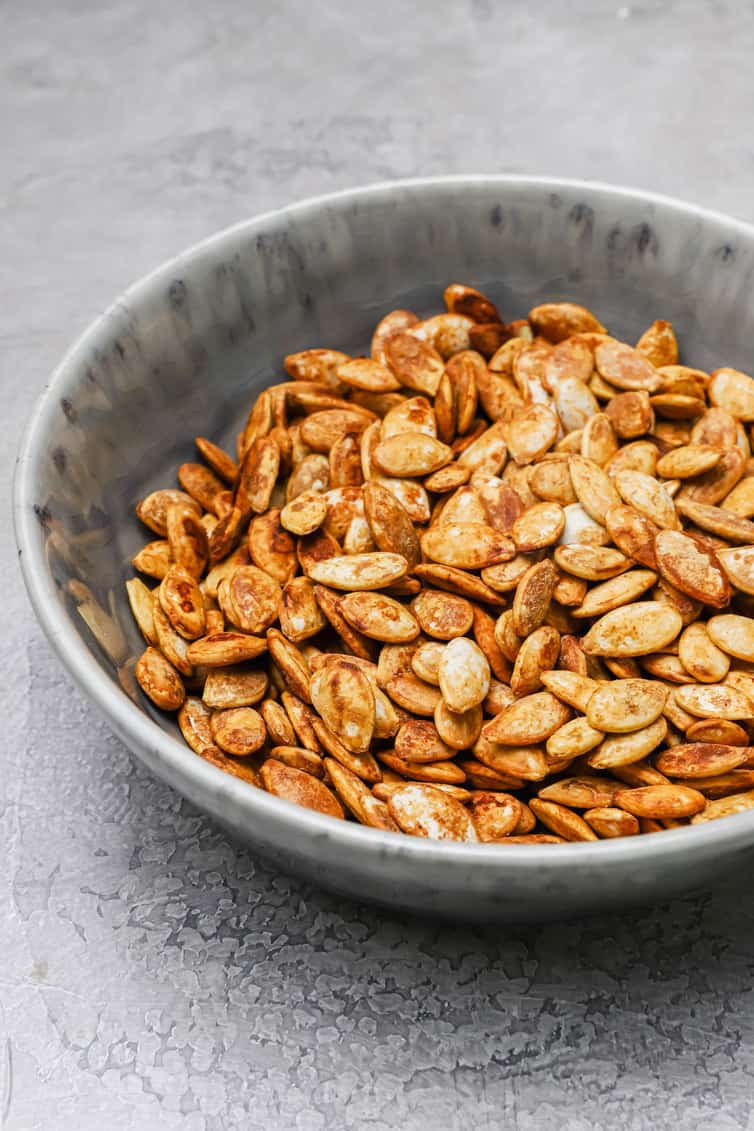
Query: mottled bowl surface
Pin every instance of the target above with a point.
(185, 351)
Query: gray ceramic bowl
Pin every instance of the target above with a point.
(185, 351)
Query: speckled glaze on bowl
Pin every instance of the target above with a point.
(185, 351)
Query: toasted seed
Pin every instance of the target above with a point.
(570, 687)
(625, 749)
(300, 614)
(537, 654)
(740, 502)
(633, 630)
(505, 577)
(486, 455)
(626, 704)
(359, 571)
(448, 478)
(538, 527)
(633, 534)
(714, 701)
(141, 600)
(194, 721)
(343, 696)
(559, 320)
(421, 810)
(721, 731)
(713, 486)
(153, 509)
(154, 559)
(700, 760)
(574, 738)
(592, 563)
(532, 597)
(379, 617)
(718, 520)
(410, 454)
(301, 788)
(648, 497)
(660, 801)
(691, 567)
(621, 590)
(625, 367)
(725, 807)
(425, 661)
(159, 680)
(416, 364)
(608, 821)
(305, 513)
(479, 776)
(279, 728)
(581, 792)
(630, 414)
(458, 729)
(733, 391)
(687, 461)
(495, 815)
(187, 539)
(733, 634)
(417, 740)
(220, 649)
(739, 567)
(443, 616)
(561, 820)
(464, 675)
(390, 523)
(239, 731)
(528, 721)
(534, 432)
(290, 663)
(236, 686)
(469, 545)
(527, 763)
(448, 333)
(299, 758)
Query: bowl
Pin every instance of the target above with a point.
(184, 352)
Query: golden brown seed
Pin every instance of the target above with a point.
(239, 731)
(417, 740)
(700, 760)
(182, 602)
(343, 696)
(141, 600)
(591, 563)
(279, 728)
(528, 721)
(458, 729)
(153, 509)
(660, 801)
(154, 559)
(687, 461)
(410, 454)
(425, 661)
(290, 662)
(732, 391)
(713, 487)
(721, 731)
(725, 807)
(495, 815)
(464, 675)
(633, 630)
(625, 367)
(573, 739)
(238, 686)
(733, 634)
(468, 545)
(532, 597)
(570, 687)
(359, 571)
(223, 648)
(691, 567)
(390, 523)
(538, 527)
(299, 758)
(559, 320)
(194, 721)
(442, 615)
(434, 773)
(581, 792)
(300, 788)
(299, 612)
(416, 364)
(187, 539)
(561, 820)
(533, 433)
(379, 617)
(624, 749)
(537, 654)
(424, 811)
(608, 821)
(159, 680)
(621, 590)
(647, 496)
(714, 701)
(624, 705)
(739, 567)
(305, 513)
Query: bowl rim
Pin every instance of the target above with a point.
(172, 758)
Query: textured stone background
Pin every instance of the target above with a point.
(151, 973)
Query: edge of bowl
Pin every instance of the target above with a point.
(170, 756)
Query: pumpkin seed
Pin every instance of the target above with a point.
(421, 810)
(633, 630)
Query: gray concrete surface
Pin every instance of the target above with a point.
(152, 975)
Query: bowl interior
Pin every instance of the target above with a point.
(185, 352)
